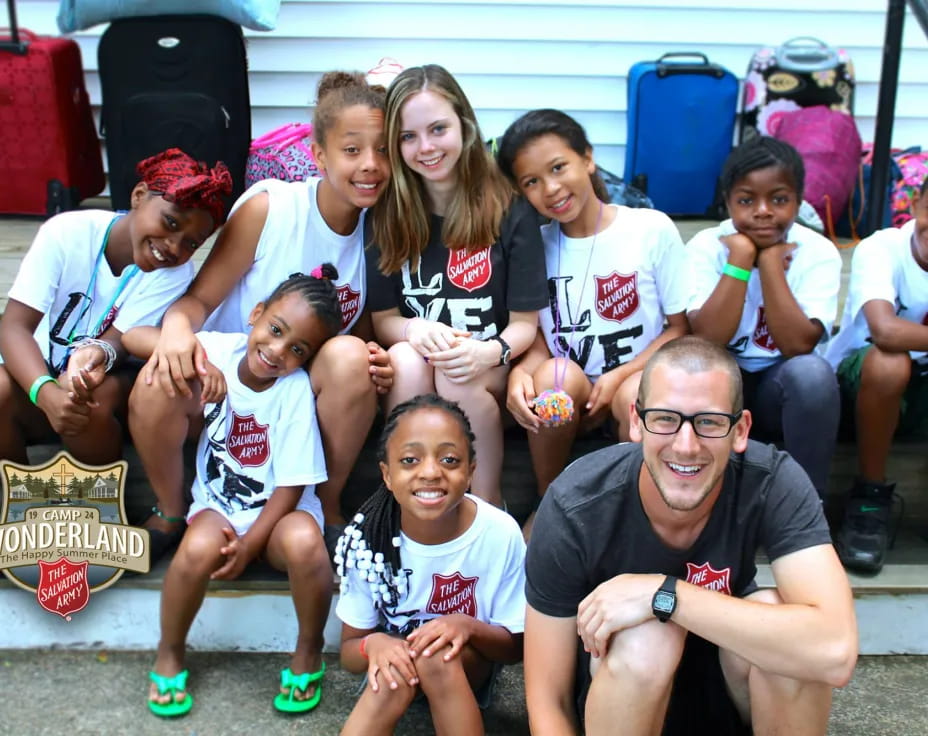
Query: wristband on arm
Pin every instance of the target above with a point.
(741, 274)
(37, 385)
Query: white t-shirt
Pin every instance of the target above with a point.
(56, 272)
(814, 277)
(481, 574)
(295, 239)
(882, 268)
(635, 280)
(255, 441)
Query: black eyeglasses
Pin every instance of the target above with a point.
(710, 424)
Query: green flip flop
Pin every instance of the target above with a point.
(287, 703)
(171, 685)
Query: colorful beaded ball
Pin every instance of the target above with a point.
(554, 408)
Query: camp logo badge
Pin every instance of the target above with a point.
(350, 303)
(617, 296)
(762, 337)
(470, 270)
(247, 441)
(63, 531)
(453, 594)
(706, 576)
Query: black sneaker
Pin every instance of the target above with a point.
(866, 535)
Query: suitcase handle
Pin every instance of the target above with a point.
(665, 69)
(14, 44)
(806, 54)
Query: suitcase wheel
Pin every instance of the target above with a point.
(60, 198)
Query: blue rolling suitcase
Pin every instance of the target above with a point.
(681, 122)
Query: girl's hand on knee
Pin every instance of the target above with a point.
(600, 402)
(389, 658)
(213, 385)
(520, 395)
(179, 356)
(452, 631)
(381, 368)
(429, 337)
(237, 554)
(469, 359)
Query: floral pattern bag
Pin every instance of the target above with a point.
(803, 72)
(282, 153)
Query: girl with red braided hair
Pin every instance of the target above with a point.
(89, 276)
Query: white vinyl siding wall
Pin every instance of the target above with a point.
(515, 55)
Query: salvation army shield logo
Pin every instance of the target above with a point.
(350, 303)
(708, 577)
(617, 296)
(470, 270)
(247, 441)
(762, 337)
(453, 594)
(63, 587)
(64, 532)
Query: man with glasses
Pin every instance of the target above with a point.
(647, 550)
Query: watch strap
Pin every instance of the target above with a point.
(505, 350)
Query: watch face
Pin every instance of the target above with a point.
(664, 601)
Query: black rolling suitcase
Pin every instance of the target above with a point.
(173, 80)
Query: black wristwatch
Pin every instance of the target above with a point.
(506, 353)
(664, 602)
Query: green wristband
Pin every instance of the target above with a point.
(37, 384)
(735, 272)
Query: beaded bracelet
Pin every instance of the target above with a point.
(107, 349)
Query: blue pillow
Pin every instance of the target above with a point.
(76, 15)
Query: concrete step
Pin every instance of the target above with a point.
(255, 613)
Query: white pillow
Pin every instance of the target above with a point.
(76, 15)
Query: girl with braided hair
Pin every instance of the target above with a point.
(432, 580)
(274, 229)
(259, 458)
(89, 276)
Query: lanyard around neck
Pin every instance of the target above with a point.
(120, 287)
(565, 354)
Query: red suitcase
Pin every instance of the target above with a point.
(50, 158)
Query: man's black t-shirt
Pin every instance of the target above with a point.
(591, 527)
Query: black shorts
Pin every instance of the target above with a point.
(699, 702)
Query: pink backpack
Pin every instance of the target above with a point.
(282, 153)
(913, 168)
(830, 147)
